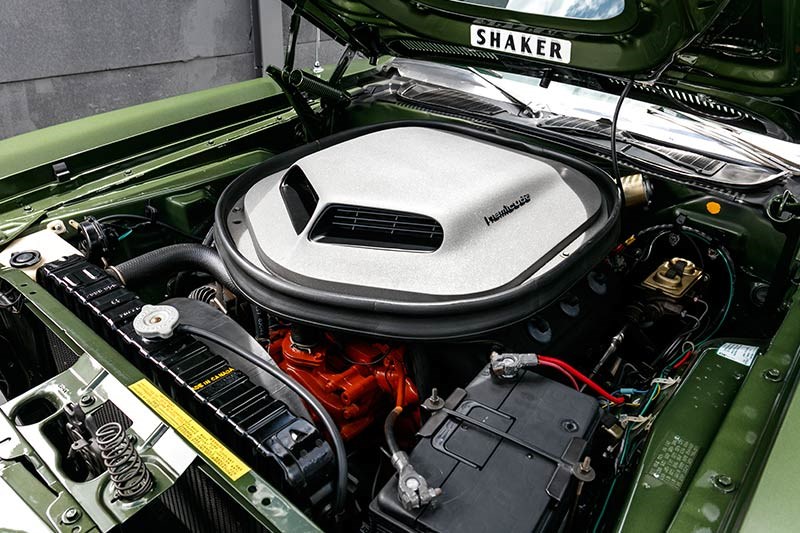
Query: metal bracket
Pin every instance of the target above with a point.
(61, 172)
(81, 429)
(294, 30)
(341, 67)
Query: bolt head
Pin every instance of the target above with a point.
(412, 483)
(70, 516)
(723, 483)
(87, 400)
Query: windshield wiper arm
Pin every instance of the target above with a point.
(524, 108)
(727, 137)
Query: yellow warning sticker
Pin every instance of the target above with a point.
(205, 442)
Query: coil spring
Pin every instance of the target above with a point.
(318, 87)
(204, 294)
(128, 473)
(208, 294)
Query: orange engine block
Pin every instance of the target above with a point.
(357, 382)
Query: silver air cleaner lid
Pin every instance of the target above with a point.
(409, 222)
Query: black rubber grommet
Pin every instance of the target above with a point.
(25, 259)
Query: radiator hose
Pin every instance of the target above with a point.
(172, 259)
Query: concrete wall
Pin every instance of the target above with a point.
(329, 50)
(66, 59)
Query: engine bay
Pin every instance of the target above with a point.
(412, 326)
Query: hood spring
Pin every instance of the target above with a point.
(127, 470)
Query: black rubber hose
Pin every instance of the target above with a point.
(388, 430)
(325, 418)
(172, 259)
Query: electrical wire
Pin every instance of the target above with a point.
(627, 450)
(729, 303)
(652, 243)
(562, 371)
(377, 475)
(700, 260)
(652, 398)
(624, 372)
(605, 505)
(614, 119)
(325, 418)
(627, 445)
(682, 360)
(145, 220)
(631, 441)
(581, 377)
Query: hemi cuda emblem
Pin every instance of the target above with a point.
(521, 44)
(507, 209)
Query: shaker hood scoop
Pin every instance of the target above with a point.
(384, 228)
(740, 53)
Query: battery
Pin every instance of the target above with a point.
(516, 476)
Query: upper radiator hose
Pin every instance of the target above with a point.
(170, 259)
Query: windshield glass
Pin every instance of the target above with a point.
(568, 100)
(573, 9)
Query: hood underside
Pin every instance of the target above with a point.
(740, 52)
